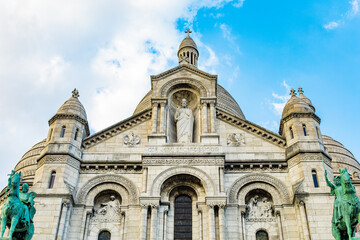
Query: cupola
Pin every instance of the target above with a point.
(188, 53)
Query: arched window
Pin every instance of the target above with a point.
(318, 132)
(76, 134)
(104, 235)
(291, 133)
(52, 179)
(262, 235)
(183, 218)
(62, 133)
(304, 129)
(50, 134)
(315, 179)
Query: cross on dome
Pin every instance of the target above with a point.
(292, 92)
(75, 93)
(300, 90)
(188, 32)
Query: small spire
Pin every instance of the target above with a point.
(188, 32)
(292, 92)
(75, 93)
(300, 90)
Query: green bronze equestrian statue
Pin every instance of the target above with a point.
(18, 211)
(346, 212)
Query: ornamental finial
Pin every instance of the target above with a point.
(75, 93)
(292, 92)
(188, 32)
(300, 90)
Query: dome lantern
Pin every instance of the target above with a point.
(188, 53)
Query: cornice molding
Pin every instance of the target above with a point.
(252, 128)
(298, 115)
(181, 67)
(71, 116)
(116, 129)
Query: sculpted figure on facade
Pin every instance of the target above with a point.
(259, 207)
(184, 119)
(108, 206)
(252, 206)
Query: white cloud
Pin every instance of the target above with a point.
(331, 25)
(352, 12)
(105, 49)
(226, 31)
(278, 102)
(354, 8)
(270, 125)
(239, 3)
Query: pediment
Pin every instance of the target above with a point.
(183, 68)
(116, 129)
(252, 128)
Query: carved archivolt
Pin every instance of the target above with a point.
(272, 185)
(162, 177)
(127, 184)
(182, 182)
(192, 82)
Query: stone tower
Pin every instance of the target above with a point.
(58, 166)
(307, 157)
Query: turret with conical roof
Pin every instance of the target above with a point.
(68, 126)
(300, 125)
(188, 53)
(58, 165)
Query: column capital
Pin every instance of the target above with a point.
(158, 100)
(216, 201)
(152, 202)
(208, 100)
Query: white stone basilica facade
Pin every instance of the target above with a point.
(186, 165)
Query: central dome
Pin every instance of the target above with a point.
(225, 102)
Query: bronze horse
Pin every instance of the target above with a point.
(14, 213)
(346, 208)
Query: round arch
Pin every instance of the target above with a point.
(192, 82)
(95, 191)
(115, 179)
(245, 184)
(163, 176)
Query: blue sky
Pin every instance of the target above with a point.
(108, 49)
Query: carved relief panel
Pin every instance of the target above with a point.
(259, 206)
(107, 207)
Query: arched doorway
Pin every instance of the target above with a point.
(104, 235)
(262, 235)
(183, 218)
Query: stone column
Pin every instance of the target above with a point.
(165, 224)
(205, 117)
(242, 213)
(278, 218)
(155, 117)
(162, 119)
(304, 222)
(221, 179)
(143, 224)
(63, 214)
(68, 207)
(201, 234)
(144, 180)
(211, 223)
(212, 117)
(154, 226)
(87, 222)
(222, 221)
(123, 225)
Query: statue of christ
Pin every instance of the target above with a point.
(184, 123)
